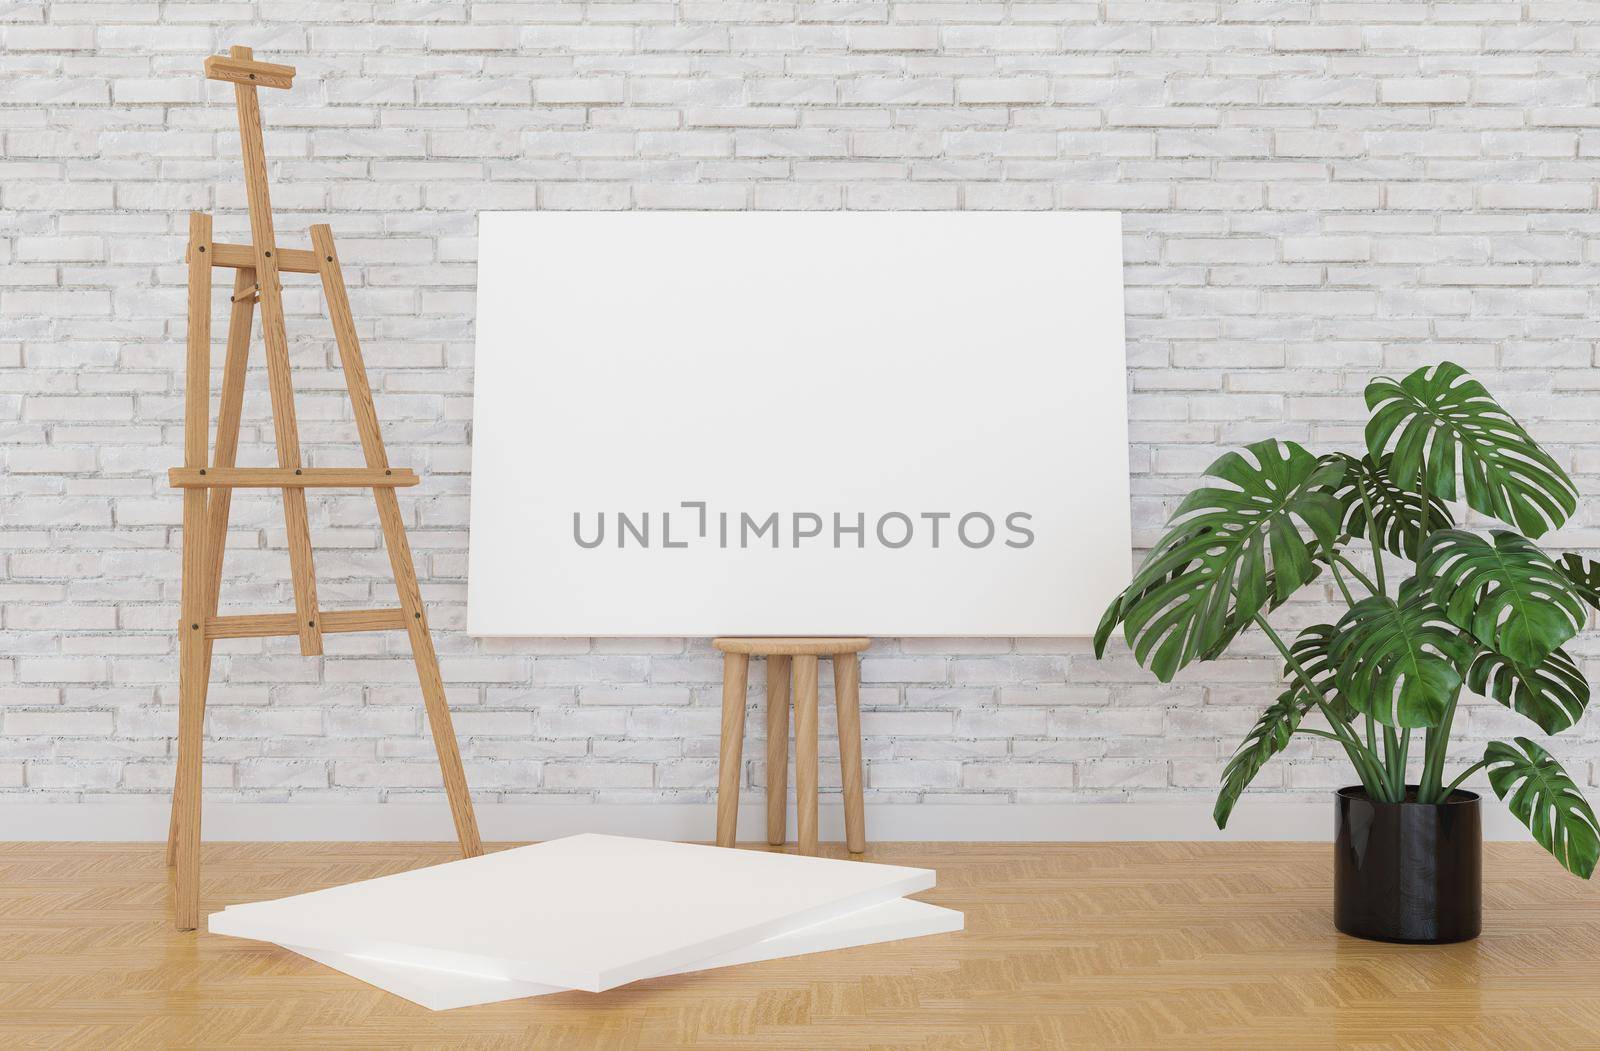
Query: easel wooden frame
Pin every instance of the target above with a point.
(208, 489)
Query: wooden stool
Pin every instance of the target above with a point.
(803, 654)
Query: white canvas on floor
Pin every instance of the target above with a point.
(444, 990)
(585, 912)
(798, 423)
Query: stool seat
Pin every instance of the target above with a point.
(791, 672)
(768, 646)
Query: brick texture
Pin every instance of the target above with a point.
(1313, 192)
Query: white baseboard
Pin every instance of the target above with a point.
(146, 820)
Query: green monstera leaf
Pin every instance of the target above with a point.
(1108, 622)
(1267, 738)
(1399, 660)
(1119, 605)
(1396, 511)
(1436, 416)
(1238, 619)
(1585, 577)
(1312, 649)
(1544, 798)
(1512, 597)
(1232, 625)
(1553, 693)
(1228, 554)
(1114, 612)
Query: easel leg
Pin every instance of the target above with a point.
(394, 538)
(220, 501)
(444, 735)
(777, 748)
(192, 669)
(192, 674)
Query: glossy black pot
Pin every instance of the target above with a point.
(1408, 872)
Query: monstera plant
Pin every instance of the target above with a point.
(1432, 608)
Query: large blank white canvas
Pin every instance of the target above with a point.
(585, 912)
(445, 990)
(748, 389)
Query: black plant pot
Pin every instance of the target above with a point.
(1408, 872)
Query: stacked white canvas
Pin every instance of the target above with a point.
(588, 912)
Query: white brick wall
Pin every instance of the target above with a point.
(1312, 192)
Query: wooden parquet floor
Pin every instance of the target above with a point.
(1067, 945)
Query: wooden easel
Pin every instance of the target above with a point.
(208, 490)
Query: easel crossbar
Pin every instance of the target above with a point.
(263, 625)
(291, 478)
(243, 257)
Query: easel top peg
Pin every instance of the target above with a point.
(249, 72)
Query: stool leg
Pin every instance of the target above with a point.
(805, 751)
(847, 695)
(777, 748)
(735, 674)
